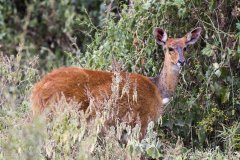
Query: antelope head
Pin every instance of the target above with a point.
(174, 48)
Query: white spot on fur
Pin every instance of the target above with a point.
(177, 67)
(165, 100)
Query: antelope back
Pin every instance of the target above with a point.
(142, 100)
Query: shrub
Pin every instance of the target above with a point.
(201, 122)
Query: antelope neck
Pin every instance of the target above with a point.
(167, 80)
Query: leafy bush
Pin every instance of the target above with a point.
(202, 120)
(47, 28)
(209, 82)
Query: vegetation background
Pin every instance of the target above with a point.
(202, 120)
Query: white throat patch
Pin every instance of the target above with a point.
(177, 67)
(165, 100)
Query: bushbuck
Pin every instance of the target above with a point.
(146, 96)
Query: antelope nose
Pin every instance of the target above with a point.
(181, 62)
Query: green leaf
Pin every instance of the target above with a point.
(238, 26)
(201, 135)
(218, 73)
(207, 50)
(130, 148)
(147, 5)
(212, 4)
(225, 95)
(153, 152)
(215, 65)
(179, 3)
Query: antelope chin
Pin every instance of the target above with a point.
(177, 67)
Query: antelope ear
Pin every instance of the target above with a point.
(160, 36)
(194, 35)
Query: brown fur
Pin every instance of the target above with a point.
(74, 83)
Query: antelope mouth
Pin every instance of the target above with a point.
(179, 65)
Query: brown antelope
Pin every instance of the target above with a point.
(152, 93)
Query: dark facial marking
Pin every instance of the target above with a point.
(170, 49)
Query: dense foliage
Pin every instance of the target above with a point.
(203, 116)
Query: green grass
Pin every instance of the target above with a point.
(202, 120)
(66, 133)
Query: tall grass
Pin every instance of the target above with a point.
(202, 120)
(65, 132)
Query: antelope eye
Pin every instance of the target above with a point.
(184, 49)
(170, 49)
